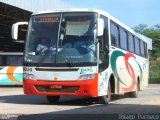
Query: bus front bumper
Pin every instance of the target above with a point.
(62, 88)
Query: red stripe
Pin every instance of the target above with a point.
(130, 71)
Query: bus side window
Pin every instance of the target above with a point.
(131, 43)
(114, 34)
(137, 46)
(14, 60)
(145, 50)
(123, 39)
(103, 47)
(142, 48)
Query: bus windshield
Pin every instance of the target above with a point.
(61, 39)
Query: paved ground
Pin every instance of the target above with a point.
(13, 101)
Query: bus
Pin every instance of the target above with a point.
(11, 70)
(87, 53)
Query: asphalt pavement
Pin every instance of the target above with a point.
(14, 104)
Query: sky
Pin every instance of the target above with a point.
(129, 12)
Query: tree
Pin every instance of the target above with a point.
(140, 28)
(154, 34)
(157, 26)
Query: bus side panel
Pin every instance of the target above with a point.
(104, 78)
(11, 75)
(145, 73)
(129, 69)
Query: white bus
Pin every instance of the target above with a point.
(83, 52)
(11, 69)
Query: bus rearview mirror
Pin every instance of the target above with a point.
(100, 27)
(15, 30)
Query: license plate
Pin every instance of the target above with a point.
(56, 86)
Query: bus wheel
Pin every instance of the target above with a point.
(127, 95)
(134, 94)
(53, 99)
(106, 98)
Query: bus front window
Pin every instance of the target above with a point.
(69, 38)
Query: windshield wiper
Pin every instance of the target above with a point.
(67, 60)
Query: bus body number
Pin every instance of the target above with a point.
(27, 69)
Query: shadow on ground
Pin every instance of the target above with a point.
(99, 112)
(41, 100)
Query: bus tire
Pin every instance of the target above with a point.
(127, 95)
(106, 98)
(134, 94)
(53, 99)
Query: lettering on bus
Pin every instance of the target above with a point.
(86, 70)
(27, 69)
(47, 19)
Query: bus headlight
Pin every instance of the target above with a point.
(29, 76)
(86, 77)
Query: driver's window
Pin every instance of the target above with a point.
(103, 47)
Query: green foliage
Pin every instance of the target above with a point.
(157, 26)
(154, 34)
(140, 28)
(154, 72)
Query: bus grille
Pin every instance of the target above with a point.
(65, 89)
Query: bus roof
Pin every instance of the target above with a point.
(142, 37)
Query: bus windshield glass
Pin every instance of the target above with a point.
(61, 39)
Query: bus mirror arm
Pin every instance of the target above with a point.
(99, 38)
